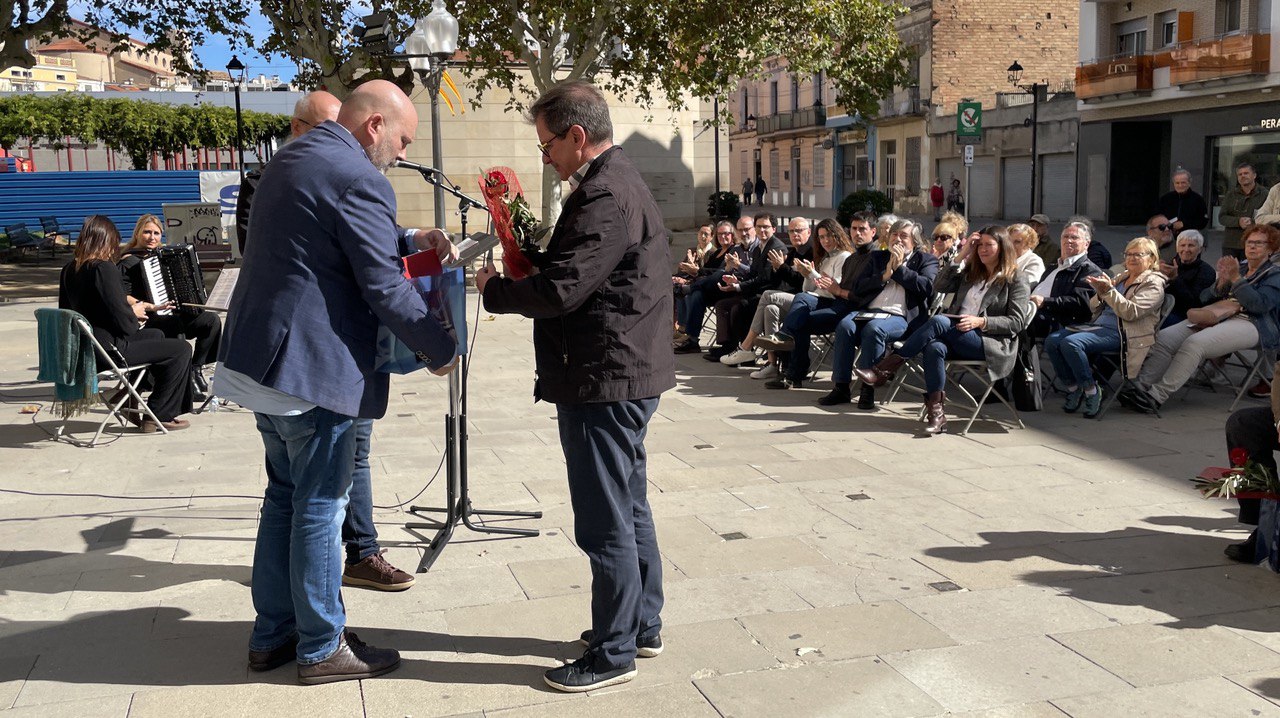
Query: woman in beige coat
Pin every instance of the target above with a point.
(1127, 305)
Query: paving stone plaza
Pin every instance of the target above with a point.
(818, 562)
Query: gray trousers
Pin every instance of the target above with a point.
(1179, 351)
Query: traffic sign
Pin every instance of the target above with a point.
(969, 123)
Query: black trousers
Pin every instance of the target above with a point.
(1254, 430)
(604, 452)
(733, 319)
(204, 327)
(170, 361)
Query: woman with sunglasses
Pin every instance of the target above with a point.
(982, 323)
(1127, 306)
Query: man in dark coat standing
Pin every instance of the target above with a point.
(601, 305)
(1184, 207)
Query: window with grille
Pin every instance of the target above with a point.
(889, 164)
(913, 164)
(819, 166)
(773, 169)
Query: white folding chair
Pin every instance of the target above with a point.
(127, 378)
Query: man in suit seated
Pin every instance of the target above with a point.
(299, 350)
(1062, 297)
(734, 313)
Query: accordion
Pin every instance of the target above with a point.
(173, 276)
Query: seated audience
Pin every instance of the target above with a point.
(182, 323)
(692, 296)
(90, 284)
(1024, 240)
(1179, 350)
(902, 280)
(982, 323)
(1189, 275)
(742, 293)
(812, 314)
(830, 254)
(1129, 305)
(1062, 296)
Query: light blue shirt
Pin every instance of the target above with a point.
(237, 387)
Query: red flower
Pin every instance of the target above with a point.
(1239, 456)
(496, 178)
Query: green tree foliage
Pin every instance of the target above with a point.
(138, 128)
(175, 26)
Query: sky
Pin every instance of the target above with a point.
(215, 54)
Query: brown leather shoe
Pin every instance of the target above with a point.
(150, 427)
(375, 572)
(276, 657)
(882, 373)
(354, 660)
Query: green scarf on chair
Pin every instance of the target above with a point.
(67, 360)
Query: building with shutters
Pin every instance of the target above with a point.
(784, 131)
(1193, 86)
(813, 153)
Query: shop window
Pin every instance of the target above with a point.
(1260, 149)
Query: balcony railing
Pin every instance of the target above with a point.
(812, 116)
(1219, 58)
(1114, 76)
(902, 103)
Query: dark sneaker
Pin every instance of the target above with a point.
(645, 647)
(1092, 404)
(375, 572)
(276, 657)
(581, 676)
(1243, 552)
(776, 342)
(354, 660)
(688, 347)
(783, 383)
(1072, 402)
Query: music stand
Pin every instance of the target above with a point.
(457, 508)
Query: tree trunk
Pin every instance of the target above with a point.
(550, 196)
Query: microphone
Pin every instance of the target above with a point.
(405, 164)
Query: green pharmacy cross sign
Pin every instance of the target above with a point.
(969, 123)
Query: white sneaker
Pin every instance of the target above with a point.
(769, 371)
(738, 356)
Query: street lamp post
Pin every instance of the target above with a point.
(234, 67)
(1015, 78)
(433, 41)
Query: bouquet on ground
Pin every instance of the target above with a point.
(513, 220)
(1246, 479)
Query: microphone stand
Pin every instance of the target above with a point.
(457, 508)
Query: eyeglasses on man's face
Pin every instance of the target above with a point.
(1161, 227)
(545, 147)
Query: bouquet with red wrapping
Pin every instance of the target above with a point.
(513, 221)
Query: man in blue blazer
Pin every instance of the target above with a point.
(299, 351)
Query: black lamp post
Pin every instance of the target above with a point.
(433, 41)
(1015, 79)
(234, 67)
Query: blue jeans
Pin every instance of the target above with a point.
(873, 336)
(809, 315)
(358, 532)
(1069, 352)
(608, 487)
(702, 293)
(939, 340)
(297, 563)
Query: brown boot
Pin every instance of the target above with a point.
(935, 414)
(882, 373)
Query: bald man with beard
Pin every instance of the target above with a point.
(299, 352)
